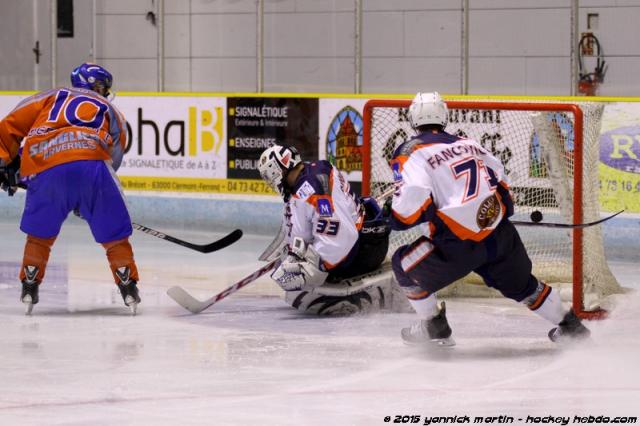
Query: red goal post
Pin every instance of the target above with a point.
(516, 132)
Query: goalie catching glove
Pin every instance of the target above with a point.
(301, 269)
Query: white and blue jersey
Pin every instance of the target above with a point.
(449, 185)
(324, 213)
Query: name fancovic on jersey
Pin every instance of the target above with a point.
(65, 141)
(453, 152)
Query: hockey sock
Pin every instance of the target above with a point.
(36, 253)
(546, 302)
(120, 254)
(426, 307)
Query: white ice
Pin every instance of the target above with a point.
(81, 359)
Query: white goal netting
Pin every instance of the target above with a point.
(539, 145)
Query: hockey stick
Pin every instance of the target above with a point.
(353, 285)
(545, 224)
(202, 248)
(205, 248)
(565, 225)
(276, 245)
(196, 306)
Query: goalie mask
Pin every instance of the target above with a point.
(275, 164)
(428, 108)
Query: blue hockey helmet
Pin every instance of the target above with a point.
(92, 77)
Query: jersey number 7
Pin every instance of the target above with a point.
(469, 168)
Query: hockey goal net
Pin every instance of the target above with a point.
(550, 154)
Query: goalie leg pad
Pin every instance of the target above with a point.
(381, 279)
(365, 301)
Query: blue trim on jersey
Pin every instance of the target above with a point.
(506, 199)
(423, 139)
(312, 174)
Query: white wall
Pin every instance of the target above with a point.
(516, 46)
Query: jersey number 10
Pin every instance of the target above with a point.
(71, 110)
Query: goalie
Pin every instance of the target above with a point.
(336, 243)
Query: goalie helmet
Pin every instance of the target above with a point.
(92, 77)
(275, 164)
(428, 108)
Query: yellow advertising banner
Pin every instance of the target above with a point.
(619, 168)
(196, 185)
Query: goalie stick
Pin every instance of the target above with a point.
(193, 305)
(275, 248)
(357, 284)
(565, 225)
(205, 248)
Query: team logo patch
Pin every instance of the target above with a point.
(324, 207)
(305, 190)
(488, 212)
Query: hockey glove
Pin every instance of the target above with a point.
(301, 269)
(10, 176)
(386, 208)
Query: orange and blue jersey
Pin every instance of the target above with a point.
(60, 126)
(71, 140)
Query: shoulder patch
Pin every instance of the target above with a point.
(324, 207)
(305, 191)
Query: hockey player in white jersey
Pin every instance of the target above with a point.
(331, 237)
(457, 193)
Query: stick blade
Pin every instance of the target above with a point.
(223, 242)
(187, 301)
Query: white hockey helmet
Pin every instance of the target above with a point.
(428, 108)
(274, 165)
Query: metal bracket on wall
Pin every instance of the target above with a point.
(37, 52)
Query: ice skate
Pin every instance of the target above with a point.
(569, 329)
(128, 289)
(435, 331)
(29, 295)
(30, 286)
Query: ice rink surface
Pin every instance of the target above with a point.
(81, 359)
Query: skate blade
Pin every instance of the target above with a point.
(433, 343)
(28, 304)
(28, 307)
(133, 307)
(448, 342)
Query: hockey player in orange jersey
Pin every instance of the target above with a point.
(64, 145)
